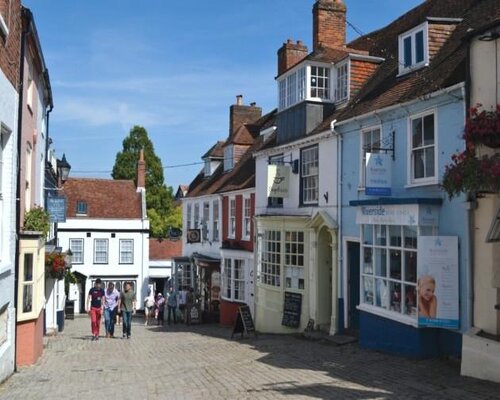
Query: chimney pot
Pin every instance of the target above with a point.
(253, 104)
(239, 100)
(141, 171)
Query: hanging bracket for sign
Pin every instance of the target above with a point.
(387, 144)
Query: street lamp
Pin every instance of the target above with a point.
(63, 168)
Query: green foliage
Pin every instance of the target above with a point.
(37, 219)
(159, 197)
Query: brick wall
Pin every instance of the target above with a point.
(10, 46)
(290, 54)
(29, 341)
(438, 35)
(329, 23)
(361, 71)
(241, 114)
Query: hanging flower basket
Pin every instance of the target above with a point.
(55, 265)
(469, 174)
(483, 127)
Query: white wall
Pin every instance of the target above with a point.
(210, 247)
(103, 229)
(8, 119)
(327, 178)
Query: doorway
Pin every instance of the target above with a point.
(324, 280)
(353, 265)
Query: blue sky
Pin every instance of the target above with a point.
(173, 67)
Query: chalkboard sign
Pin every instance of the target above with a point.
(292, 309)
(244, 322)
(56, 206)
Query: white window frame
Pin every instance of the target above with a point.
(403, 69)
(189, 208)
(27, 176)
(291, 89)
(364, 150)
(293, 260)
(375, 241)
(282, 93)
(228, 158)
(207, 168)
(78, 251)
(233, 279)
(3, 27)
(231, 217)
(101, 251)
(26, 282)
(309, 194)
(30, 91)
(270, 247)
(326, 75)
(246, 224)
(426, 180)
(126, 255)
(205, 228)
(342, 87)
(196, 216)
(215, 221)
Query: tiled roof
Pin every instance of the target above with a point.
(446, 68)
(243, 174)
(164, 249)
(105, 198)
(216, 151)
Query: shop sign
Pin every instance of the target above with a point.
(407, 214)
(278, 180)
(378, 174)
(56, 207)
(437, 284)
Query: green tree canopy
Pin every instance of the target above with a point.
(159, 197)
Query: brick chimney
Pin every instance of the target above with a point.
(329, 24)
(141, 171)
(290, 54)
(240, 114)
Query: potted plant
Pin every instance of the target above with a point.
(471, 174)
(483, 127)
(55, 265)
(37, 220)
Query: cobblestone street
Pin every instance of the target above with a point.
(202, 362)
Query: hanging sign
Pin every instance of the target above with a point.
(378, 174)
(278, 180)
(437, 284)
(56, 207)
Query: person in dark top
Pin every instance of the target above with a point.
(94, 307)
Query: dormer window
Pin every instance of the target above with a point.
(228, 158)
(320, 82)
(206, 168)
(413, 49)
(81, 208)
(342, 86)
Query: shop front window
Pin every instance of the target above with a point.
(233, 278)
(389, 269)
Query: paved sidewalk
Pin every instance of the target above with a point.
(201, 362)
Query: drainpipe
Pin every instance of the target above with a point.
(334, 329)
(24, 35)
(472, 205)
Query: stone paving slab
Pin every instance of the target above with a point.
(202, 362)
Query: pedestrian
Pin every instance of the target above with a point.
(94, 307)
(172, 305)
(149, 303)
(189, 305)
(128, 302)
(111, 305)
(182, 302)
(160, 309)
(118, 315)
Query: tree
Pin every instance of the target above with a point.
(159, 197)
